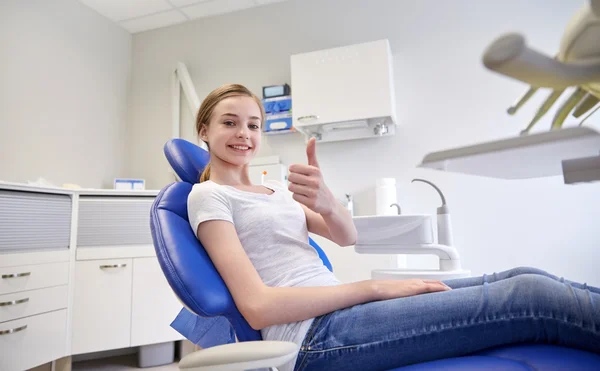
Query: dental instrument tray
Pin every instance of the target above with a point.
(386, 234)
(572, 152)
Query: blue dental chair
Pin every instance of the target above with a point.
(197, 284)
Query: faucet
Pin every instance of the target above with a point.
(398, 206)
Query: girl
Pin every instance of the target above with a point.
(257, 238)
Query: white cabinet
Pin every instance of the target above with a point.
(345, 92)
(121, 303)
(101, 305)
(89, 281)
(154, 305)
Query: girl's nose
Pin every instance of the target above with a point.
(242, 133)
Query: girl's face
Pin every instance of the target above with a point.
(234, 131)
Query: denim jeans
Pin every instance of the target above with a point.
(515, 306)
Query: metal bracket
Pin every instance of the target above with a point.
(581, 170)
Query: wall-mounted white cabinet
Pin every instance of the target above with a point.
(345, 92)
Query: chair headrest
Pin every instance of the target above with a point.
(187, 159)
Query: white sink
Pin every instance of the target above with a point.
(383, 234)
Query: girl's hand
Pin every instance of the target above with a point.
(308, 186)
(392, 289)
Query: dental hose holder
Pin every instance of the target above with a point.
(449, 259)
(444, 223)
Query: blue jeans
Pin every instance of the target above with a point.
(515, 306)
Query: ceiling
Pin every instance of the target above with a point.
(142, 15)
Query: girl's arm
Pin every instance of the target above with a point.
(264, 306)
(336, 225)
(261, 305)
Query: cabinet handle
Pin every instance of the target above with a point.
(309, 117)
(14, 302)
(15, 275)
(113, 266)
(13, 330)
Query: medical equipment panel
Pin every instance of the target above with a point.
(34, 221)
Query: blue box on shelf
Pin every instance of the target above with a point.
(278, 104)
(280, 122)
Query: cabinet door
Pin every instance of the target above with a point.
(154, 305)
(101, 305)
(342, 84)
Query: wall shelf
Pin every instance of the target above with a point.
(528, 156)
(280, 132)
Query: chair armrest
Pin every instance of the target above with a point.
(240, 356)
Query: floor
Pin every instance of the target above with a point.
(118, 363)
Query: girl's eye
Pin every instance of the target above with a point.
(254, 126)
(228, 123)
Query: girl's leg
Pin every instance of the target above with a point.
(480, 280)
(381, 335)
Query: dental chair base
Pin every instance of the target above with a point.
(242, 356)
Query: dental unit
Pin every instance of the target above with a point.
(411, 235)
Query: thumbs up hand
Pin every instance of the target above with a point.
(307, 184)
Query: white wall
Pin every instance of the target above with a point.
(64, 78)
(445, 98)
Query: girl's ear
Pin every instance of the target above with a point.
(203, 134)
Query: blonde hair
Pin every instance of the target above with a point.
(208, 105)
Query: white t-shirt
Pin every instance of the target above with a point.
(273, 232)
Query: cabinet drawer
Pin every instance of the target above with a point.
(37, 340)
(30, 277)
(28, 303)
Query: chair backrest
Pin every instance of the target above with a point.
(183, 259)
(187, 266)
